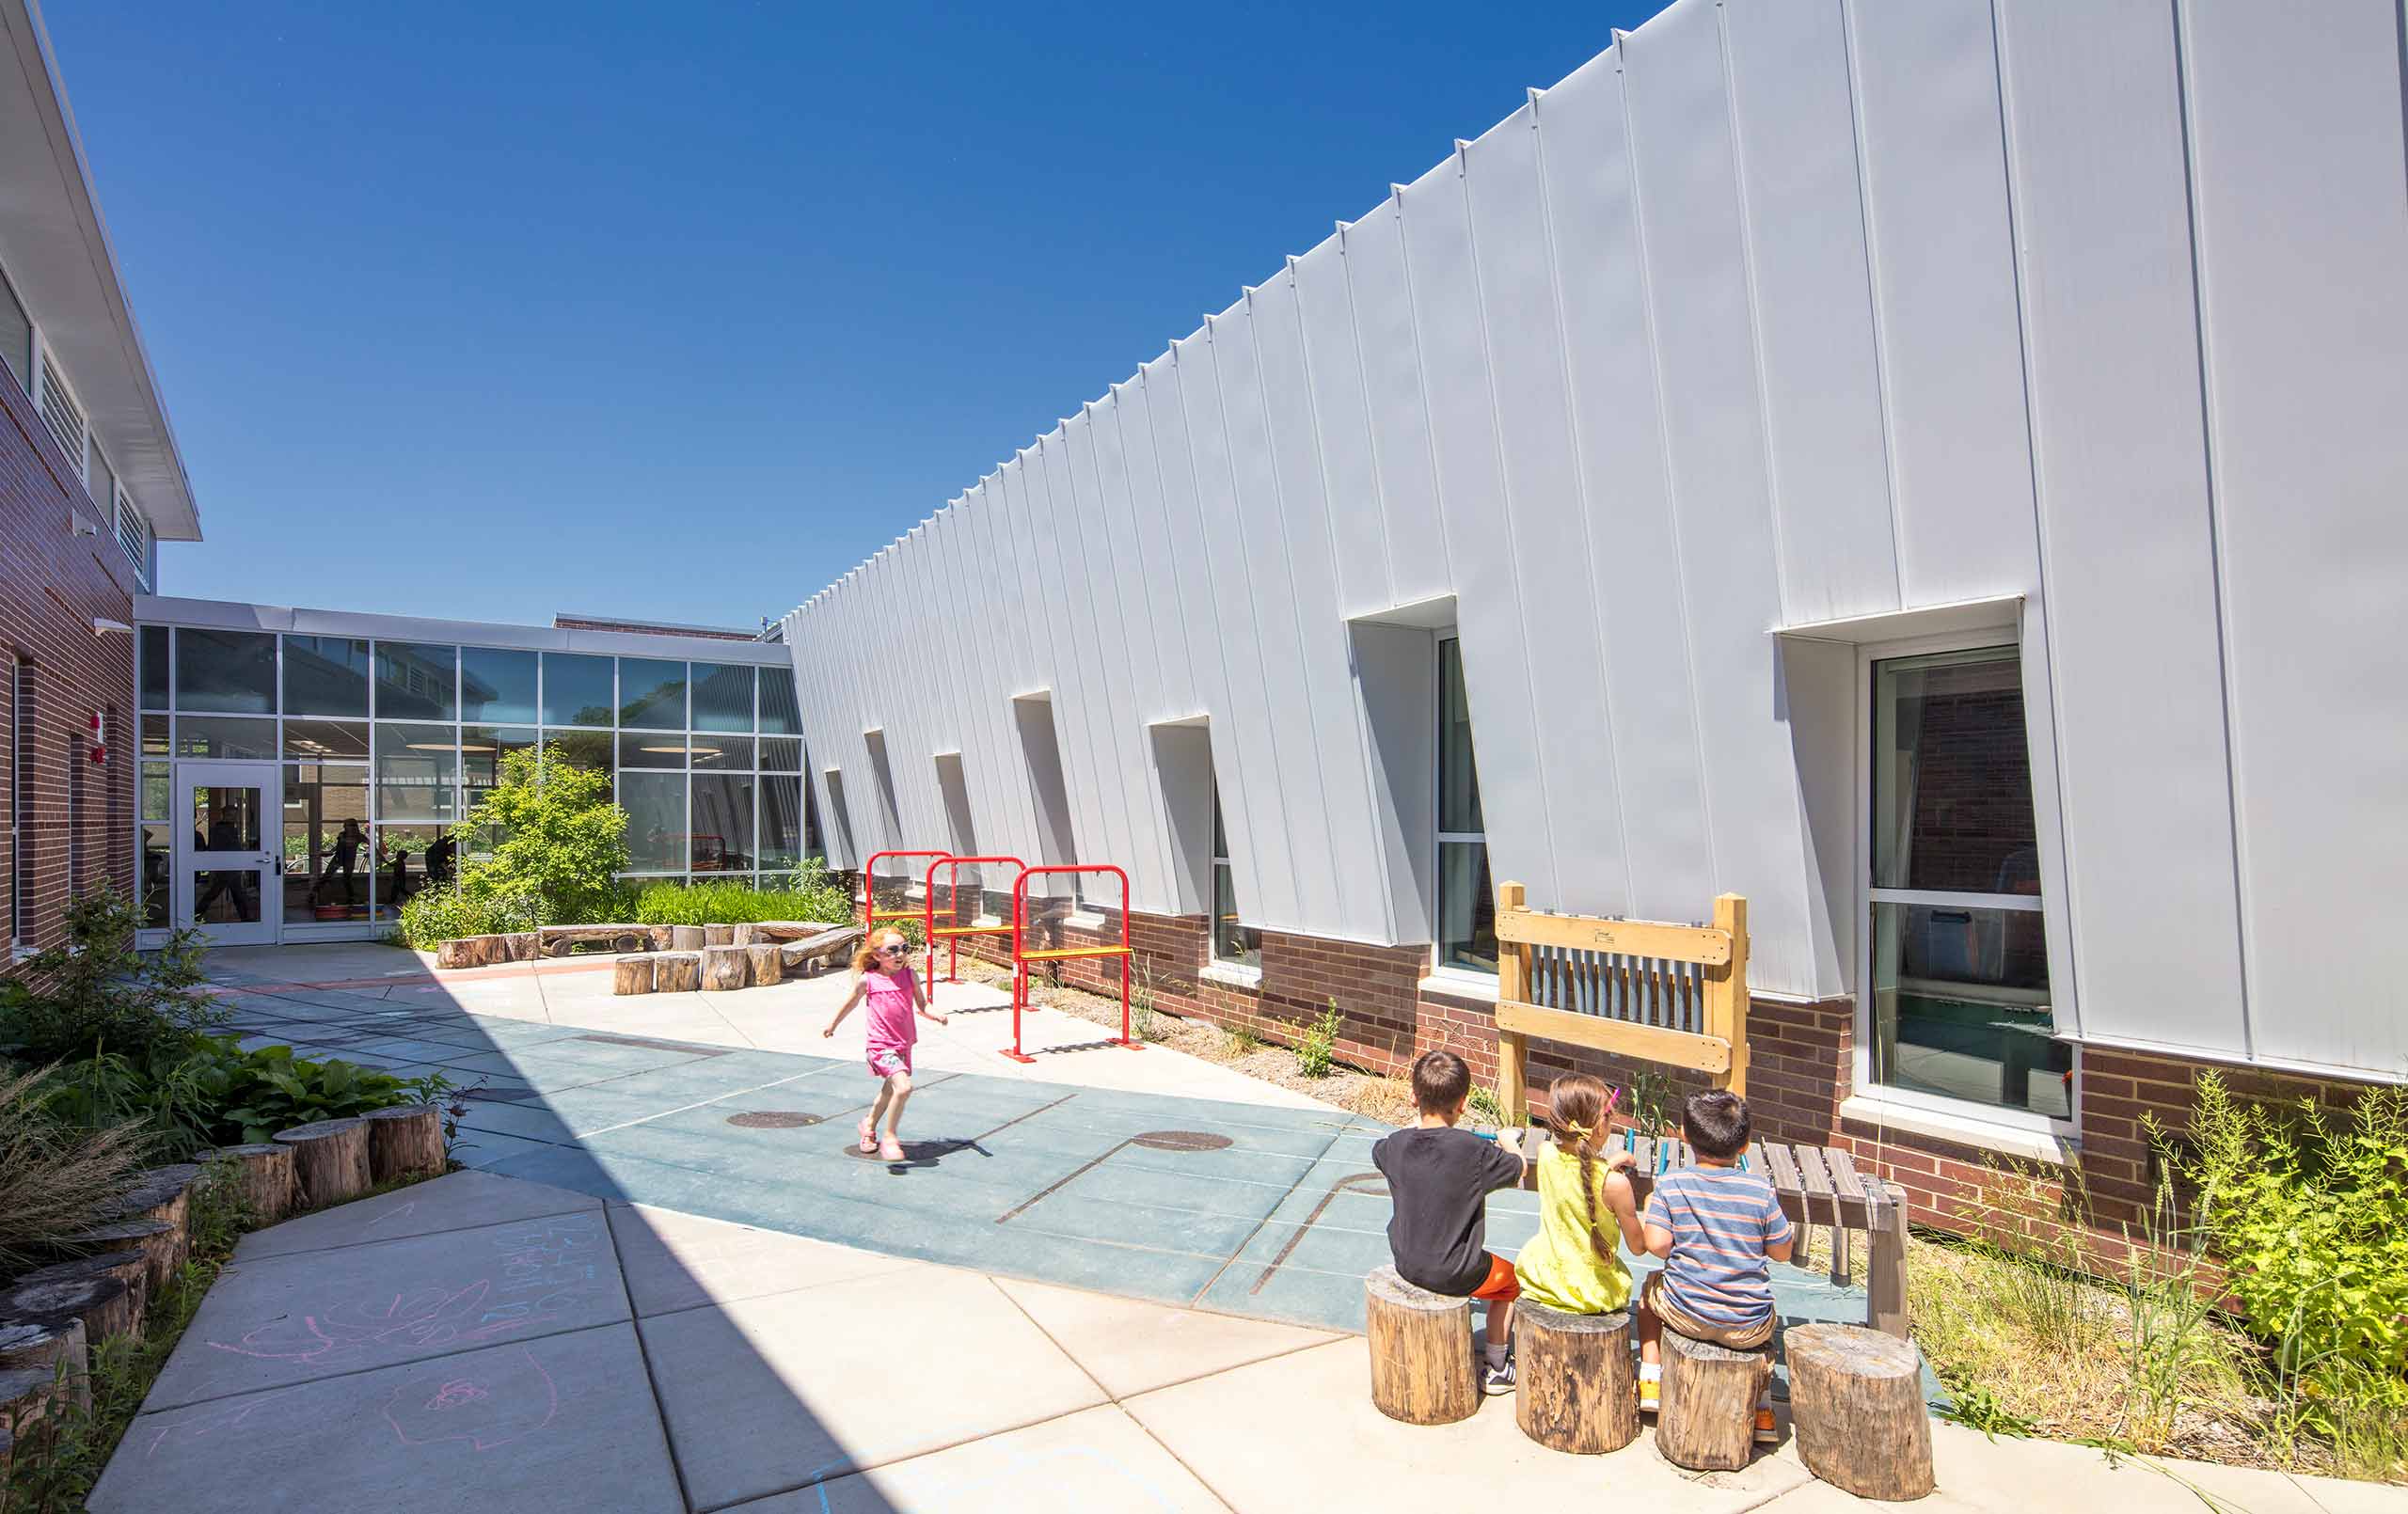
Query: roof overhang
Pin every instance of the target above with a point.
(57, 255)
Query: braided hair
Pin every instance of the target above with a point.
(1579, 1107)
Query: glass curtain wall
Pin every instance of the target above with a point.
(387, 745)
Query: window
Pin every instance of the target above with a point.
(651, 695)
(325, 676)
(1238, 945)
(134, 538)
(226, 672)
(724, 697)
(417, 683)
(579, 690)
(98, 477)
(60, 412)
(1959, 969)
(16, 338)
(1467, 924)
(497, 685)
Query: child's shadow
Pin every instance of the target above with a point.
(919, 1154)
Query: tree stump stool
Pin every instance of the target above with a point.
(329, 1160)
(632, 975)
(405, 1141)
(1708, 1420)
(686, 939)
(767, 966)
(1856, 1404)
(28, 1396)
(659, 937)
(522, 946)
(726, 966)
(262, 1174)
(1422, 1362)
(164, 1194)
(743, 933)
(56, 1351)
(106, 1305)
(1574, 1387)
(163, 1247)
(718, 935)
(677, 973)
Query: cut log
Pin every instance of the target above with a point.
(718, 935)
(1574, 1386)
(1856, 1403)
(1422, 1360)
(631, 975)
(460, 952)
(521, 946)
(164, 1194)
(127, 1266)
(262, 1176)
(28, 1396)
(726, 966)
(162, 1246)
(405, 1141)
(660, 938)
(106, 1305)
(765, 964)
(687, 939)
(677, 973)
(329, 1160)
(57, 1352)
(1707, 1422)
(743, 933)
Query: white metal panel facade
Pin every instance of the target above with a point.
(1773, 315)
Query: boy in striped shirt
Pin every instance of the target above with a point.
(1716, 1229)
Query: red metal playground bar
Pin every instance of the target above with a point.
(871, 914)
(953, 934)
(1023, 956)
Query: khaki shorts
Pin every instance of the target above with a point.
(1653, 1299)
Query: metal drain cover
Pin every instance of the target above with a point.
(773, 1119)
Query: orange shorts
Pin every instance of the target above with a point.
(1501, 1282)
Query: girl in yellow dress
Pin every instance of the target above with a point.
(1571, 1264)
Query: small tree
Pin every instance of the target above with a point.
(94, 992)
(558, 840)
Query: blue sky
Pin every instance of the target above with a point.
(679, 310)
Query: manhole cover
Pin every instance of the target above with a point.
(773, 1119)
(1181, 1141)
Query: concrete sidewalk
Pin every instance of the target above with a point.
(484, 1343)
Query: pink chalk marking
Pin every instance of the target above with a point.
(513, 1399)
(388, 1214)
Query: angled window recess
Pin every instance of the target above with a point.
(881, 774)
(840, 814)
(1395, 649)
(1466, 935)
(1182, 752)
(1033, 716)
(1236, 944)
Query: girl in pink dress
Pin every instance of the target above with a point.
(882, 973)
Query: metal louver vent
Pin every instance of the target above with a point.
(60, 413)
(134, 537)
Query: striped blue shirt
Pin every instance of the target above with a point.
(1721, 1220)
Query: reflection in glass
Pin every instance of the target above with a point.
(656, 806)
(417, 682)
(1232, 941)
(651, 695)
(225, 897)
(325, 841)
(153, 661)
(323, 739)
(497, 685)
(781, 713)
(158, 868)
(1458, 775)
(227, 819)
(588, 750)
(227, 671)
(781, 754)
(578, 690)
(1952, 780)
(722, 751)
(1466, 910)
(722, 839)
(218, 736)
(154, 736)
(158, 784)
(662, 751)
(1960, 999)
(410, 858)
(325, 676)
(418, 772)
(722, 697)
(782, 824)
(482, 750)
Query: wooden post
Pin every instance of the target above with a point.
(405, 1141)
(59, 1351)
(677, 973)
(726, 966)
(1726, 990)
(742, 934)
(1885, 1284)
(719, 935)
(1573, 1388)
(686, 939)
(1856, 1402)
(329, 1160)
(261, 1175)
(1421, 1364)
(631, 975)
(1708, 1419)
(1512, 985)
(765, 965)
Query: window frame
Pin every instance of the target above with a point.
(1440, 838)
(1954, 1111)
(1214, 861)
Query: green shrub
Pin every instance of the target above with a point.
(213, 1093)
(805, 894)
(433, 916)
(1317, 1043)
(55, 1179)
(560, 843)
(2308, 1212)
(96, 992)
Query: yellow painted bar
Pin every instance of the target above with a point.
(973, 930)
(1060, 952)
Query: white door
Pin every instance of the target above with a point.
(227, 867)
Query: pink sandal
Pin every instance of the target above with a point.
(869, 1138)
(890, 1150)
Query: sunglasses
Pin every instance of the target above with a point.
(894, 950)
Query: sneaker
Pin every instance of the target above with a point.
(1650, 1394)
(1768, 1433)
(1497, 1379)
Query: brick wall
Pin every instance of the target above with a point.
(79, 826)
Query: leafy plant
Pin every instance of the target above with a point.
(1652, 1101)
(56, 1178)
(1317, 1043)
(1142, 1018)
(1977, 1408)
(805, 894)
(96, 992)
(1239, 1040)
(1484, 1105)
(213, 1093)
(432, 916)
(271, 1089)
(2309, 1212)
(558, 839)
